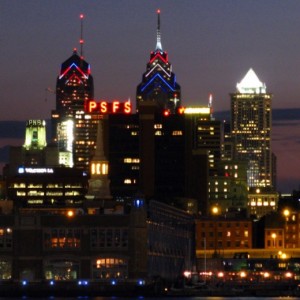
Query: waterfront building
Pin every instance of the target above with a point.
(220, 233)
(159, 82)
(251, 125)
(141, 243)
(291, 228)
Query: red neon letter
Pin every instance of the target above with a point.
(92, 106)
(103, 107)
(115, 106)
(127, 107)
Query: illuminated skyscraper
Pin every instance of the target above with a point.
(159, 82)
(74, 131)
(251, 118)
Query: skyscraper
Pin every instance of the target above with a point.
(251, 118)
(74, 131)
(159, 82)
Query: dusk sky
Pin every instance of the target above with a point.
(211, 45)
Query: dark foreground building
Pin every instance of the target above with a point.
(126, 244)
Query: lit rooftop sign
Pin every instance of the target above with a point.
(35, 123)
(197, 110)
(104, 107)
(23, 170)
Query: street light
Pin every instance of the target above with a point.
(286, 214)
(215, 212)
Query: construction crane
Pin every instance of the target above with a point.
(49, 90)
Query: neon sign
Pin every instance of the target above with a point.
(104, 107)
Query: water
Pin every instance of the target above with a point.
(152, 298)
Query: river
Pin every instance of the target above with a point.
(151, 298)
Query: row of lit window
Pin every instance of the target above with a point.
(23, 185)
(129, 181)
(225, 224)
(49, 193)
(265, 203)
(129, 160)
(228, 234)
(227, 244)
(217, 183)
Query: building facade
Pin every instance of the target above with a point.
(219, 234)
(141, 243)
(251, 124)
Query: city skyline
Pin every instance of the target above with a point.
(215, 44)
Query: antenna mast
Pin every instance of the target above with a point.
(81, 41)
(158, 34)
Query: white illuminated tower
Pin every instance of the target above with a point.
(251, 122)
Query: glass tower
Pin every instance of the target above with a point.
(251, 117)
(74, 131)
(159, 82)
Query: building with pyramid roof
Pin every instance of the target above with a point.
(251, 125)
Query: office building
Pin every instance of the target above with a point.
(251, 124)
(206, 133)
(262, 201)
(35, 152)
(229, 189)
(159, 82)
(74, 131)
(34, 178)
(153, 154)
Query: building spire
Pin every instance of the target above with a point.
(99, 184)
(158, 35)
(81, 41)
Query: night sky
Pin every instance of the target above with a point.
(211, 45)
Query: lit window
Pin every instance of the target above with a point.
(177, 132)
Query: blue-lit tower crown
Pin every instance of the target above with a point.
(159, 82)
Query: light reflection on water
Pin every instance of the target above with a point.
(148, 298)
